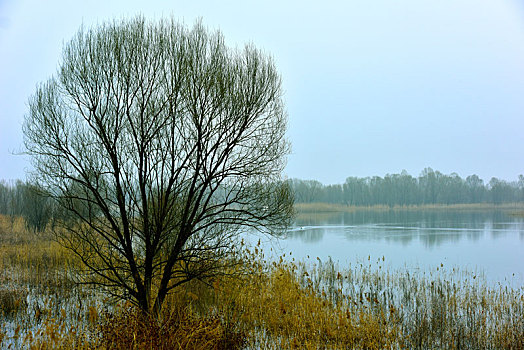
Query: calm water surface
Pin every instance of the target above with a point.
(483, 242)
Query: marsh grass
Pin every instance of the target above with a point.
(262, 304)
(41, 306)
(366, 306)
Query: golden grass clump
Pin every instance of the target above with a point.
(128, 328)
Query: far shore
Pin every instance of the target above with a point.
(516, 209)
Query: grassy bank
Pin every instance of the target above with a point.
(329, 207)
(269, 305)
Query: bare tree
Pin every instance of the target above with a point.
(163, 144)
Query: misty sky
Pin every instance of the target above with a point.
(371, 87)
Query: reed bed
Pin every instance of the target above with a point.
(316, 304)
(262, 304)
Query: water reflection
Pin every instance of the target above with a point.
(432, 228)
(488, 241)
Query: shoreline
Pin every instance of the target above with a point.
(319, 207)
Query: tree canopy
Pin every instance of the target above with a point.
(163, 145)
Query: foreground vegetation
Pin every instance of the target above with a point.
(266, 304)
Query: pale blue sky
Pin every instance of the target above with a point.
(372, 87)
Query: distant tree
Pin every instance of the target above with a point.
(333, 194)
(407, 189)
(37, 208)
(520, 186)
(163, 145)
(4, 197)
(307, 191)
(501, 191)
(453, 189)
(19, 198)
(429, 185)
(303, 191)
(355, 191)
(475, 189)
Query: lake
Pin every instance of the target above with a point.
(489, 243)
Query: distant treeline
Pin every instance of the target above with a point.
(431, 187)
(19, 198)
